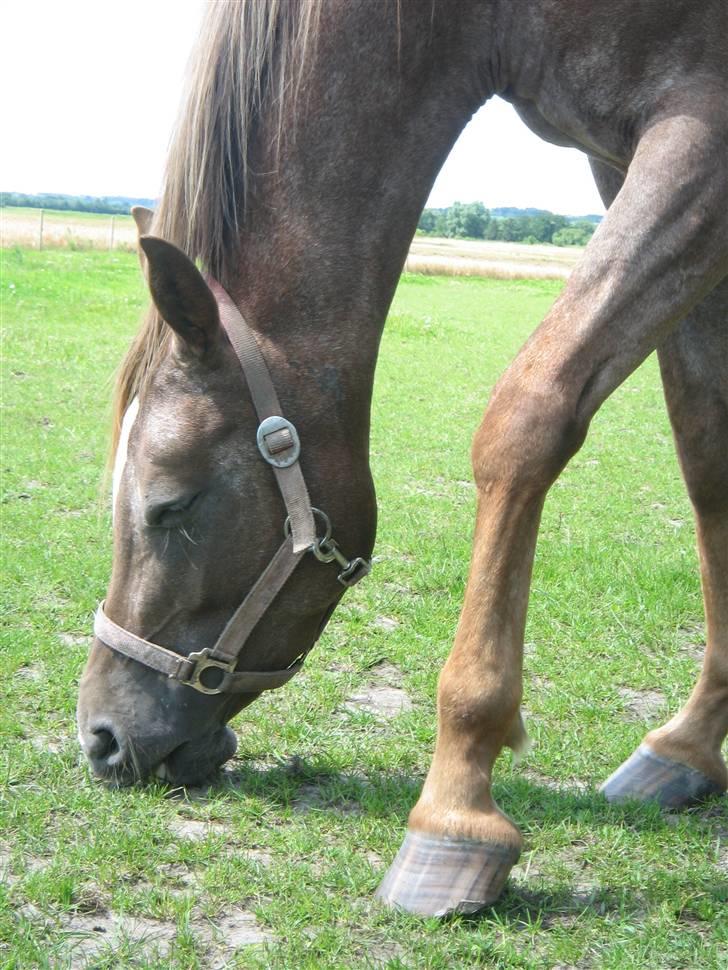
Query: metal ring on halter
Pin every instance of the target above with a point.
(326, 523)
(202, 662)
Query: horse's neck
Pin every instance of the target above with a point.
(389, 91)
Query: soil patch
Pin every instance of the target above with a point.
(382, 696)
(90, 936)
(197, 829)
(311, 798)
(642, 705)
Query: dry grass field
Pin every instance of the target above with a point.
(480, 257)
(428, 255)
(67, 230)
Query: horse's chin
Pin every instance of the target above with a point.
(196, 762)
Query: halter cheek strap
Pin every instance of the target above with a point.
(212, 670)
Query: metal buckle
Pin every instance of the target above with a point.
(356, 570)
(352, 570)
(282, 450)
(201, 662)
(326, 549)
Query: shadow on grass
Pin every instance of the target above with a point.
(307, 785)
(561, 904)
(531, 900)
(317, 785)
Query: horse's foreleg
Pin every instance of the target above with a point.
(682, 761)
(631, 288)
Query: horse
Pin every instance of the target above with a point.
(308, 142)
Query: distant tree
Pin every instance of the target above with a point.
(577, 235)
(471, 220)
(427, 221)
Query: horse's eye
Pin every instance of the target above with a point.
(167, 515)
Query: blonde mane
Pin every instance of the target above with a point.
(249, 59)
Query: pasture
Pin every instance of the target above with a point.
(275, 864)
(430, 255)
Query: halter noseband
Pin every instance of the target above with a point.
(212, 670)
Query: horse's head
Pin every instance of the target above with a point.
(198, 518)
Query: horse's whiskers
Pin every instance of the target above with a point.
(182, 531)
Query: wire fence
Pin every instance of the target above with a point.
(53, 229)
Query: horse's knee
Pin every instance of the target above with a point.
(527, 436)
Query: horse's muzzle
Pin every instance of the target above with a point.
(120, 760)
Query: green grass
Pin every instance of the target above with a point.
(316, 803)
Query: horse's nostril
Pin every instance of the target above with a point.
(103, 745)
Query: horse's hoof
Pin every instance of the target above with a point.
(649, 777)
(437, 876)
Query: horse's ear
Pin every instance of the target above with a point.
(143, 219)
(181, 295)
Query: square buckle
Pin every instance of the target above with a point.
(201, 663)
(278, 441)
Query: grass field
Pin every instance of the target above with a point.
(276, 864)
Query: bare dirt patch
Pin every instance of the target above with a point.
(89, 936)
(235, 929)
(312, 798)
(5, 864)
(642, 705)
(383, 697)
(197, 829)
(691, 640)
(568, 785)
(74, 639)
(30, 672)
(177, 873)
(29, 864)
(48, 745)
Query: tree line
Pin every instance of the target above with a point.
(471, 220)
(116, 205)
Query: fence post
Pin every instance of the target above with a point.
(40, 231)
(111, 234)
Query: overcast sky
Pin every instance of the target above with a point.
(91, 90)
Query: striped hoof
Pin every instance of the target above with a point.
(434, 876)
(647, 776)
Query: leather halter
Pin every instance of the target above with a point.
(212, 670)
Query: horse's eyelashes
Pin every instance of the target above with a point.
(170, 514)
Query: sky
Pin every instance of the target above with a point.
(92, 88)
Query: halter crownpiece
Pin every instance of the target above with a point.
(213, 669)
